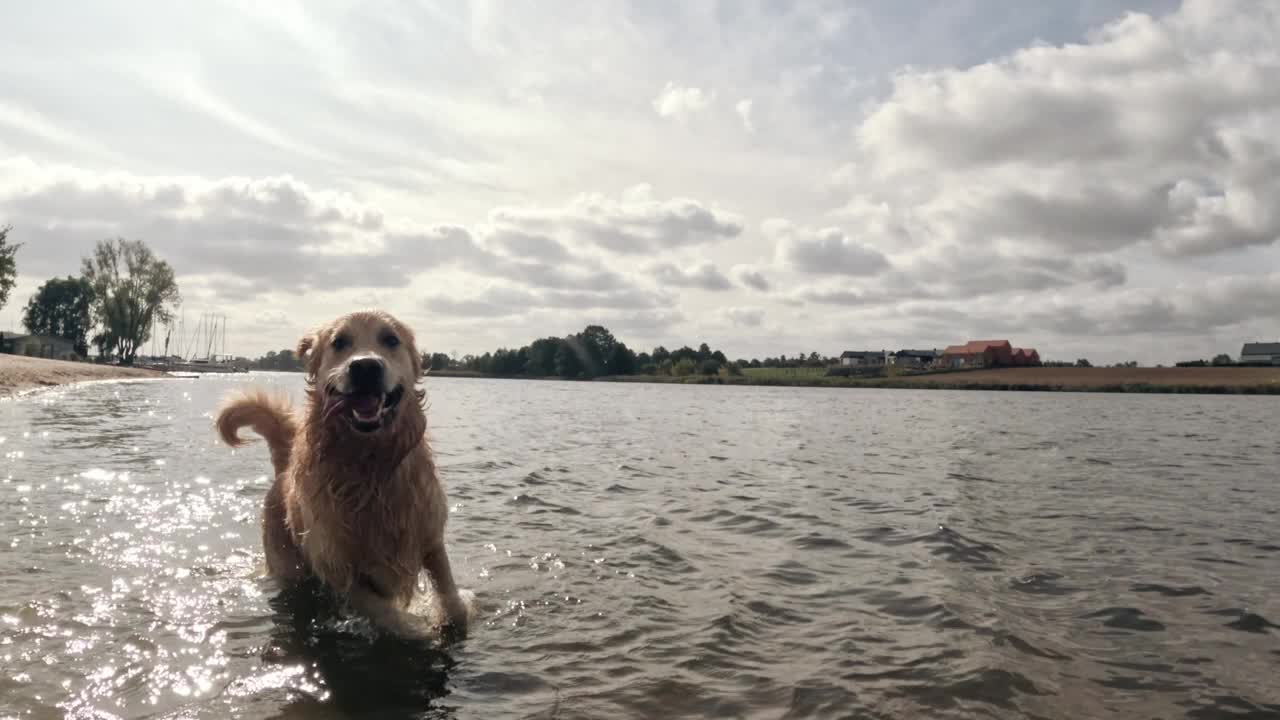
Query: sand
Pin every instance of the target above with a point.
(18, 373)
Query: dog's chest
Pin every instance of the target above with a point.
(376, 534)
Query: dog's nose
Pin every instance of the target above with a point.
(366, 374)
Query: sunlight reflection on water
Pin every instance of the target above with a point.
(668, 551)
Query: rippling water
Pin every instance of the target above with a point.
(661, 551)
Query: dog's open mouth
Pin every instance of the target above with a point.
(368, 412)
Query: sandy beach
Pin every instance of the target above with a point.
(18, 373)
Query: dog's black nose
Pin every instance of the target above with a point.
(366, 374)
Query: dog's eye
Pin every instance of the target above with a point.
(341, 343)
(391, 341)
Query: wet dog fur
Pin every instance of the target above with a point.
(356, 502)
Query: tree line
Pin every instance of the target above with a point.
(122, 292)
(596, 352)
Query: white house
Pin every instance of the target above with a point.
(1260, 353)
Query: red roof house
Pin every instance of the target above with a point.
(978, 353)
(1026, 356)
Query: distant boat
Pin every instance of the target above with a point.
(211, 334)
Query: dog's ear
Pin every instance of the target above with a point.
(310, 348)
(415, 355)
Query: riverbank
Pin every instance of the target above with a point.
(1203, 380)
(19, 373)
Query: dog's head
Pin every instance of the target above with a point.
(361, 366)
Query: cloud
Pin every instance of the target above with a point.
(679, 102)
(635, 223)
(702, 277)
(1220, 303)
(257, 235)
(33, 124)
(744, 316)
(749, 277)
(1152, 132)
(527, 246)
(1056, 173)
(497, 301)
(827, 251)
(743, 108)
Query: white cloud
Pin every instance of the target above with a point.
(750, 277)
(944, 171)
(702, 277)
(825, 251)
(1153, 132)
(680, 102)
(635, 223)
(743, 108)
(744, 316)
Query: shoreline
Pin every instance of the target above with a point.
(1192, 380)
(20, 375)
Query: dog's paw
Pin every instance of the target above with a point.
(471, 604)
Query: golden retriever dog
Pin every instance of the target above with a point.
(356, 501)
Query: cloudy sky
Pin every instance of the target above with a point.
(1094, 179)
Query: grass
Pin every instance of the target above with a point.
(1208, 380)
(1216, 381)
(773, 373)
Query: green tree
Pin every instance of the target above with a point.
(1222, 359)
(132, 288)
(1083, 362)
(685, 366)
(541, 360)
(568, 364)
(622, 361)
(8, 267)
(62, 308)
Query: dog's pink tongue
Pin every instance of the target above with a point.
(365, 404)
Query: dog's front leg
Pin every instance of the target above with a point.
(436, 562)
(384, 613)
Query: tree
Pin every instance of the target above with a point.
(542, 357)
(8, 267)
(622, 361)
(1083, 362)
(1222, 359)
(567, 362)
(685, 366)
(62, 308)
(132, 289)
(439, 361)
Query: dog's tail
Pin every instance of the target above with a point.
(271, 416)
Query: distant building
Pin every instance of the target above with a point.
(1025, 356)
(856, 358)
(913, 358)
(1260, 353)
(43, 346)
(977, 354)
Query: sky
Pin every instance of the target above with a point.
(1094, 178)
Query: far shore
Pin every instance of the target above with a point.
(1201, 380)
(20, 374)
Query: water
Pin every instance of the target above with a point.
(659, 551)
